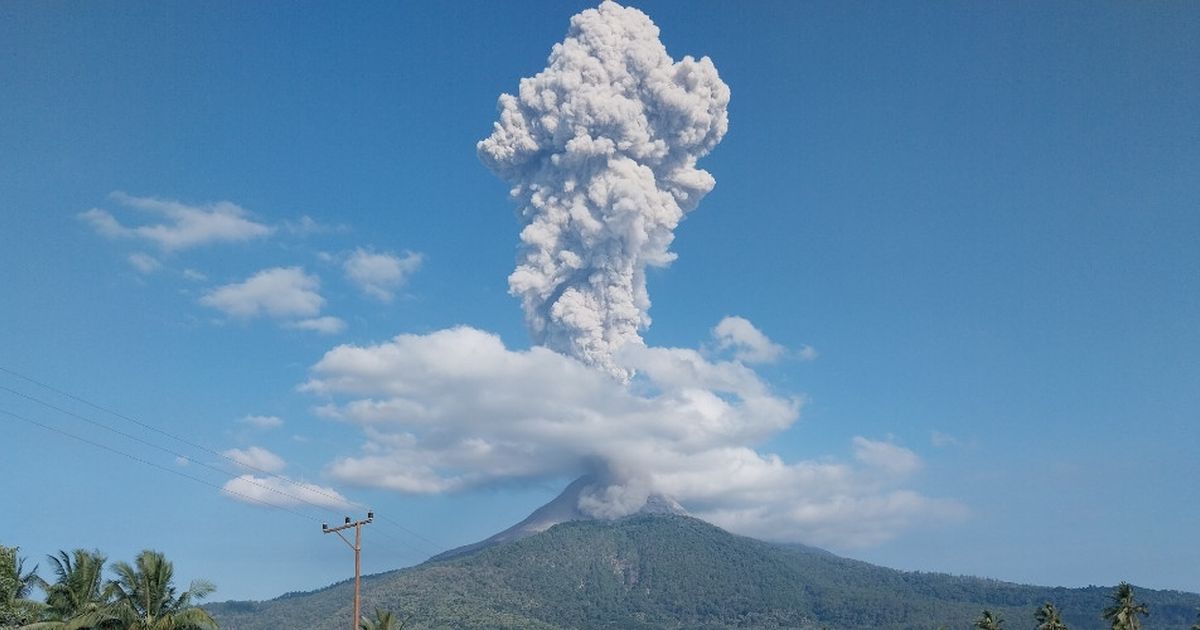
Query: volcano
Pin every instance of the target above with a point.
(560, 568)
(563, 509)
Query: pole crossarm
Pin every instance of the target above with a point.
(357, 547)
(333, 530)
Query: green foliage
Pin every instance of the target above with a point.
(384, 620)
(78, 588)
(1048, 618)
(15, 586)
(145, 599)
(988, 621)
(664, 571)
(142, 597)
(1124, 610)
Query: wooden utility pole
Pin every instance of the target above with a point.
(357, 547)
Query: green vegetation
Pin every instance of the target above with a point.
(1124, 611)
(15, 585)
(643, 572)
(1048, 618)
(988, 621)
(145, 598)
(78, 589)
(384, 620)
(141, 597)
(666, 571)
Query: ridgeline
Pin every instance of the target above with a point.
(673, 571)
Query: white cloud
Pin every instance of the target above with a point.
(184, 225)
(807, 353)
(282, 492)
(144, 263)
(327, 325)
(278, 292)
(379, 275)
(308, 226)
(193, 275)
(105, 223)
(941, 440)
(886, 457)
(263, 422)
(455, 409)
(256, 458)
(748, 343)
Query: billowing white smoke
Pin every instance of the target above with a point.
(601, 150)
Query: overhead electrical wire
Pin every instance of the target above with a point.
(139, 460)
(224, 473)
(149, 427)
(182, 474)
(436, 546)
(171, 451)
(306, 487)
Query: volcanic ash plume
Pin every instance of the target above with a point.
(600, 149)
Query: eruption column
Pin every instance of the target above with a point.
(600, 149)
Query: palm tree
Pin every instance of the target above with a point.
(384, 620)
(988, 621)
(1124, 611)
(78, 588)
(15, 585)
(145, 599)
(1048, 618)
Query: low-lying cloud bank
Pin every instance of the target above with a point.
(455, 409)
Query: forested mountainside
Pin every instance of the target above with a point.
(672, 571)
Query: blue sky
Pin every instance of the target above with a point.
(982, 218)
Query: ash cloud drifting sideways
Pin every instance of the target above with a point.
(600, 149)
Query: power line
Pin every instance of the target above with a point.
(431, 545)
(177, 453)
(357, 547)
(183, 474)
(154, 465)
(144, 425)
(437, 547)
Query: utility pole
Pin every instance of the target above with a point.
(357, 547)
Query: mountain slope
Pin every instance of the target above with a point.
(671, 571)
(563, 509)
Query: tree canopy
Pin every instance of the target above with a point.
(141, 596)
(1124, 610)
